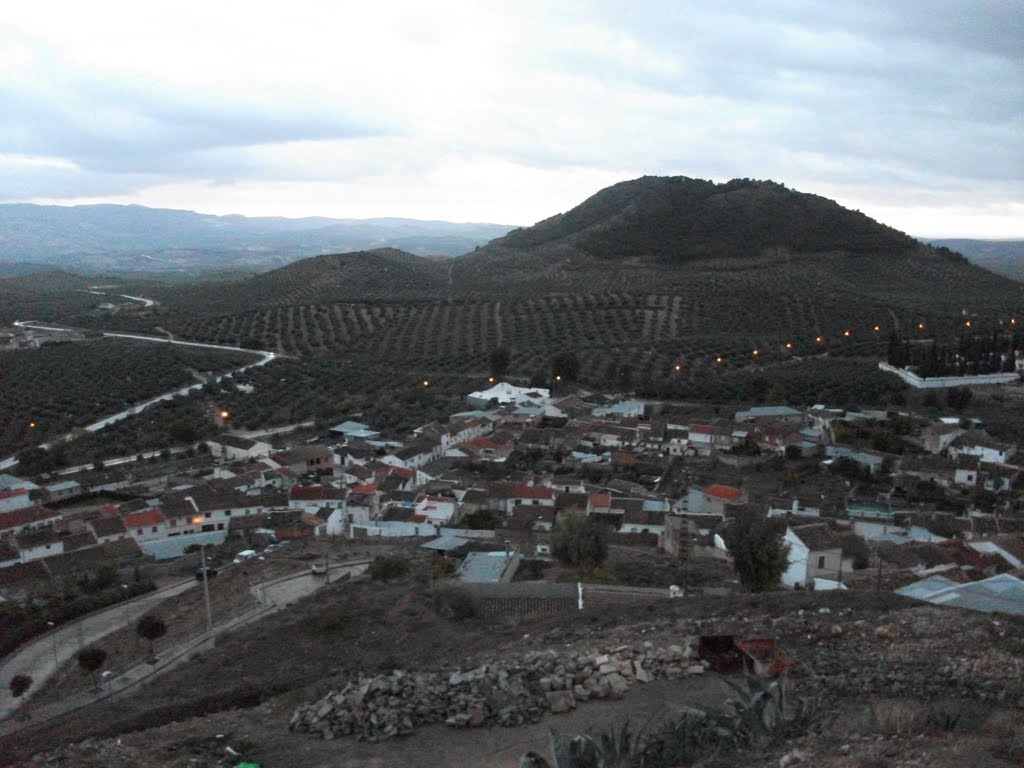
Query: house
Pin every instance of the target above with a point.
(363, 503)
(107, 528)
(146, 526)
(436, 510)
(533, 495)
(207, 509)
(13, 499)
(716, 499)
(38, 543)
(778, 413)
(25, 518)
(416, 454)
(233, 448)
(967, 471)
(66, 489)
(981, 444)
(874, 462)
(506, 394)
(934, 469)
(312, 498)
(814, 553)
(307, 459)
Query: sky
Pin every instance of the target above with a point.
(911, 111)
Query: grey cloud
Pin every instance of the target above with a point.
(106, 127)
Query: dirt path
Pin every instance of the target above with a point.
(440, 746)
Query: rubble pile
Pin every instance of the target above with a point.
(500, 693)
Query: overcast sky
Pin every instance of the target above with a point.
(909, 110)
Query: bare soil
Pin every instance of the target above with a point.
(897, 685)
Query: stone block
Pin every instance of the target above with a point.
(560, 702)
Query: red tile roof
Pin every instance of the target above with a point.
(26, 515)
(140, 519)
(533, 492)
(364, 490)
(307, 492)
(725, 492)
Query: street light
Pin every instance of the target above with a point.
(50, 625)
(124, 594)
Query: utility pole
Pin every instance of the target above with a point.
(206, 589)
(327, 565)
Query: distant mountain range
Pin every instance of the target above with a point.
(134, 239)
(1004, 257)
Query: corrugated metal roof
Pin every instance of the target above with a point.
(998, 594)
(483, 567)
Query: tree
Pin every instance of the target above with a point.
(758, 550)
(566, 365)
(499, 361)
(958, 398)
(152, 628)
(580, 541)
(91, 659)
(18, 685)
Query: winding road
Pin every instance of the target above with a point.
(264, 358)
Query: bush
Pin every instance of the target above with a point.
(386, 568)
(580, 541)
(456, 603)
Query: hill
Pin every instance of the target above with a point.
(674, 288)
(133, 238)
(1004, 257)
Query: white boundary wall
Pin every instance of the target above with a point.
(943, 382)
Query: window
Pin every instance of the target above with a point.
(227, 513)
(138, 532)
(821, 561)
(208, 515)
(154, 529)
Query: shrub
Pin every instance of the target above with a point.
(580, 541)
(386, 568)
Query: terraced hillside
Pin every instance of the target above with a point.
(672, 287)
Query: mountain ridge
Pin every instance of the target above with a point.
(134, 238)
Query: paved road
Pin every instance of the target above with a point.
(265, 357)
(41, 657)
(37, 658)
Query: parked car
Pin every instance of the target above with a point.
(318, 569)
(209, 570)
